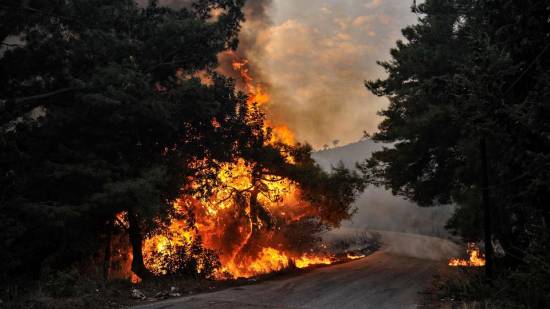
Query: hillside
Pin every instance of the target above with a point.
(377, 207)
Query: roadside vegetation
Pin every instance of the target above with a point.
(470, 118)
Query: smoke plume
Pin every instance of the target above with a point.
(313, 56)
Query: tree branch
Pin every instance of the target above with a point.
(46, 95)
(14, 108)
(11, 45)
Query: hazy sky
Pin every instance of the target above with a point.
(316, 55)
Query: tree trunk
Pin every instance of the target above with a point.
(108, 253)
(136, 241)
(486, 211)
(254, 224)
(254, 211)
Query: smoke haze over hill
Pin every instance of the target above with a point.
(377, 207)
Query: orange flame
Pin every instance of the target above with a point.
(355, 257)
(476, 259)
(308, 260)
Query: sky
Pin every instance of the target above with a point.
(316, 54)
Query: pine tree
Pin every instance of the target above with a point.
(473, 71)
(101, 115)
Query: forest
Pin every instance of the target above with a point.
(469, 112)
(129, 155)
(126, 155)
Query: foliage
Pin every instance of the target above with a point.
(467, 288)
(332, 193)
(187, 260)
(471, 70)
(108, 107)
(112, 115)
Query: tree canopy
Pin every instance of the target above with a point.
(102, 113)
(471, 70)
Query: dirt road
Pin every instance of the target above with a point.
(382, 280)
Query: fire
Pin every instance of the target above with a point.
(282, 134)
(256, 93)
(306, 261)
(269, 260)
(355, 257)
(258, 96)
(229, 221)
(476, 259)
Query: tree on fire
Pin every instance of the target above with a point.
(272, 194)
(474, 70)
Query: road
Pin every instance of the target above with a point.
(383, 280)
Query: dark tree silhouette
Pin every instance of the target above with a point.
(462, 77)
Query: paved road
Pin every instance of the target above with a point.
(382, 280)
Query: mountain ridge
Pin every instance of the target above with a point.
(377, 207)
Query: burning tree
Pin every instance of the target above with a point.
(245, 209)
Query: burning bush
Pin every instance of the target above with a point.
(186, 259)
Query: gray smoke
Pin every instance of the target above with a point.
(404, 227)
(315, 57)
(377, 208)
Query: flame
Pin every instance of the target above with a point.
(269, 260)
(256, 92)
(476, 259)
(306, 261)
(355, 257)
(281, 134)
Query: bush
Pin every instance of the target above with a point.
(186, 260)
(62, 283)
(530, 283)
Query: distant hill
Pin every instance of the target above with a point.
(348, 154)
(377, 207)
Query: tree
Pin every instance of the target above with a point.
(120, 120)
(461, 77)
(274, 167)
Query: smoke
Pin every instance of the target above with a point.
(313, 56)
(253, 38)
(378, 209)
(406, 244)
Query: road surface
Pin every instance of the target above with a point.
(383, 280)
